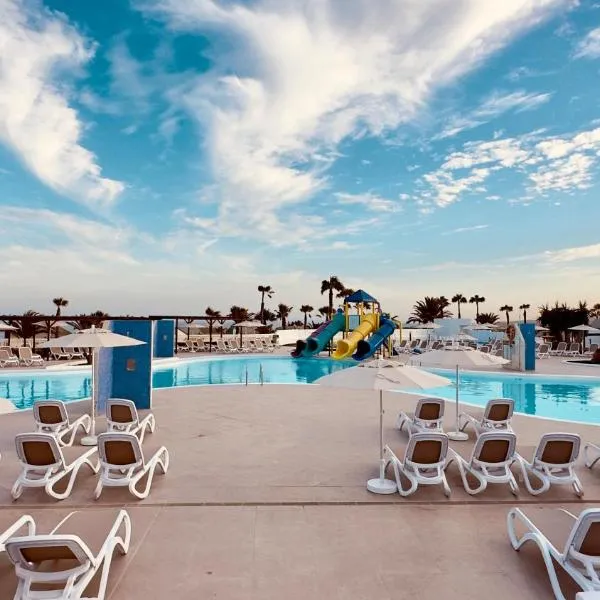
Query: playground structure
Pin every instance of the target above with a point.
(364, 332)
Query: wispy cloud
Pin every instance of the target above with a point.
(589, 46)
(573, 254)
(494, 106)
(36, 120)
(370, 201)
(321, 77)
(465, 229)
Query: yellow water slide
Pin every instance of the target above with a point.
(345, 348)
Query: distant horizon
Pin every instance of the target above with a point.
(178, 153)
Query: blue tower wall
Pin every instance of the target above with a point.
(132, 365)
(528, 333)
(164, 338)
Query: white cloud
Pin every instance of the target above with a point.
(589, 46)
(370, 201)
(573, 254)
(326, 72)
(562, 163)
(573, 172)
(37, 49)
(465, 229)
(446, 189)
(495, 105)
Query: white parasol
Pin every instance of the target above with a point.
(457, 357)
(383, 375)
(92, 338)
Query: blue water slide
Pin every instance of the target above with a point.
(366, 348)
(316, 342)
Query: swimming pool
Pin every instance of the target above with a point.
(573, 399)
(24, 388)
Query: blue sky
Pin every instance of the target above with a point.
(163, 155)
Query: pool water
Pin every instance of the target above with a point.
(570, 399)
(573, 399)
(24, 388)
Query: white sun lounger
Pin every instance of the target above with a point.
(28, 358)
(59, 353)
(490, 461)
(425, 461)
(572, 541)
(122, 415)
(496, 417)
(122, 463)
(428, 416)
(78, 549)
(13, 528)
(591, 454)
(553, 462)
(543, 351)
(560, 350)
(44, 463)
(7, 359)
(51, 417)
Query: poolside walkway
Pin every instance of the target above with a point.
(266, 498)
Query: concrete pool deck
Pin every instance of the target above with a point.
(265, 497)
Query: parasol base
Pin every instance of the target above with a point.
(382, 486)
(89, 440)
(458, 436)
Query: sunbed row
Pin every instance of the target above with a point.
(232, 346)
(428, 454)
(49, 460)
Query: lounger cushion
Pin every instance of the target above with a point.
(557, 452)
(120, 413)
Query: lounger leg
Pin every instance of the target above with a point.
(119, 543)
(160, 459)
(589, 463)
(577, 487)
(17, 489)
(71, 472)
(400, 421)
(464, 469)
(147, 424)
(525, 470)
(532, 536)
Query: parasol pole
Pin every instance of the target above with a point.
(456, 435)
(91, 439)
(381, 485)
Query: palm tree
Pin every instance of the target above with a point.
(430, 308)
(324, 311)
(60, 303)
(594, 312)
(306, 308)
(506, 309)
(331, 285)
(488, 318)
(459, 299)
(210, 312)
(264, 290)
(269, 315)
(27, 327)
(524, 308)
(476, 300)
(239, 313)
(283, 312)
